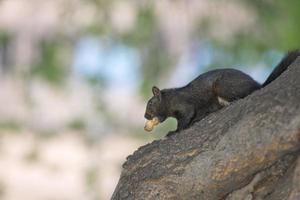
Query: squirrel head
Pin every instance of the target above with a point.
(155, 106)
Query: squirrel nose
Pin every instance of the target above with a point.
(147, 116)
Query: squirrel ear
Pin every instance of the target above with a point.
(156, 91)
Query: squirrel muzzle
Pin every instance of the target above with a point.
(149, 125)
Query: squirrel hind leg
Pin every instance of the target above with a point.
(223, 102)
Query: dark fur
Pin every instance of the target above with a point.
(200, 97)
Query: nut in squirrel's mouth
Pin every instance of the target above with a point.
(149, 125)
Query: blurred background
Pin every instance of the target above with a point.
(75, 76)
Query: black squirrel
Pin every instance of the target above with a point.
(207, 93)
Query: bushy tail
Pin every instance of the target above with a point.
(288, 59)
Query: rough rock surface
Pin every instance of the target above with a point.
(248, 150)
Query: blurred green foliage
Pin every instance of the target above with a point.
(4, 37)
(77, 124)
(10, 126)
(279, 22)
(277, 27)
(32, 156)
(91, 178)
(50, 65)
(146, 37)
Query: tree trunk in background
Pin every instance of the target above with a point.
(248, 150)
